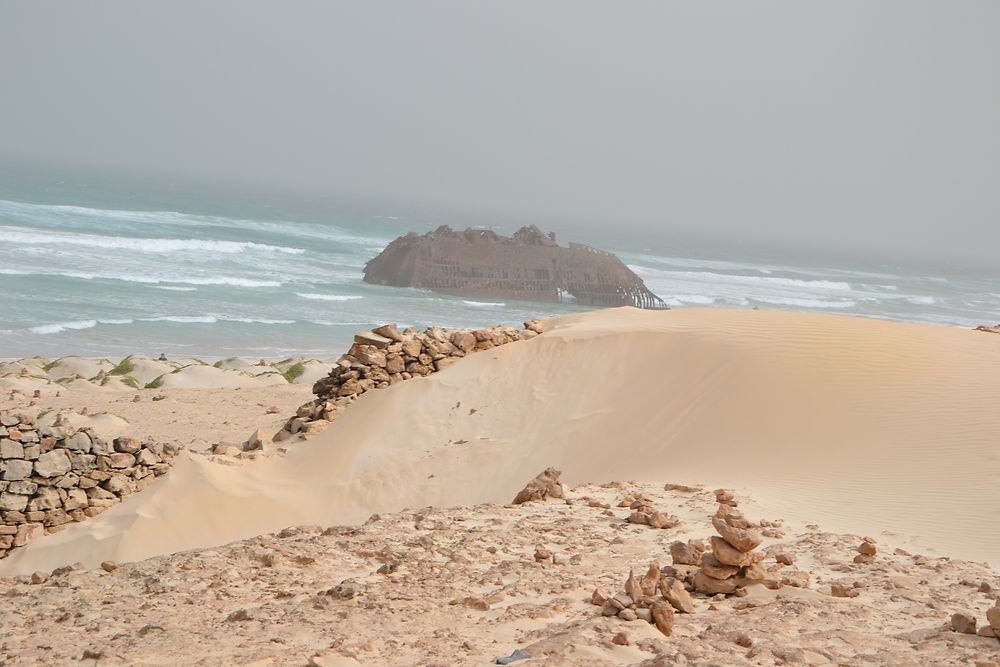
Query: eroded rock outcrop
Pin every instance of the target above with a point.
(528, 265)
(545, 485)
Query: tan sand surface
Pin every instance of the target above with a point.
(453, 587)
(862, 425)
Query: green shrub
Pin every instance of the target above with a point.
(155, 384)
(52, 364)
(124, 367)
(294, 371)
(130, 381)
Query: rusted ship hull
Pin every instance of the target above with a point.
(529, 266)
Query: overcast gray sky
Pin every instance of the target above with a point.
(848, 124)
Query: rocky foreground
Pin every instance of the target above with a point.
(466, 586)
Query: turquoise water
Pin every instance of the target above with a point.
(78, 278)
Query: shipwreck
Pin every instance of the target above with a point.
(529, 265)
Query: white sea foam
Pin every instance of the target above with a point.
(150, 280)
(47, 213)
(172, 288)
(33, 237)
(805, 303)
(59, 327)
(249, 320)
(327, 297)
(750, 281)
(693, 298)
(484, 304)
(921, 300)
(183, 319)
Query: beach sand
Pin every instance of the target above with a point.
(840, 424)
(873, 426)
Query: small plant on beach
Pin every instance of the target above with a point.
(52, 364)
(294, 371)
(124, 367)
(156, 384)
(130, 381)
(42, 414)
(222, 362)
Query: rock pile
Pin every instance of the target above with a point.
(640, 600)
(55, 475)
(545, 485)
(732, 563)
(385, 356)
(643, 512)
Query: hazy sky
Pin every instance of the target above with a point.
(845, 125)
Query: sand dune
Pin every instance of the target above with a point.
(861, 424)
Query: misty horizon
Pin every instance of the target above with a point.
(837, 130)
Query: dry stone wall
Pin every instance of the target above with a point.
(385, 356)
(53, 475)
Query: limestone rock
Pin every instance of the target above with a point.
(743, 539)
(17, 469)
(53, 463)
(963, 623)
(663, 617)
(674, 592)
(389, 331)
(727, 554)
(993, 618)
(663, 520)
(13, 501)
(651, 579)
(842, 591)
(714, 568)
(370, 338)
(541, 487)
(712, 586)
(627, 615)
(684, 553)
(600, 596)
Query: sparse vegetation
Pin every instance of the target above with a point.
(124, 367)
(52, 364)
(222, 362)
(42, 414)
(156, 383)
(294, 371)
(130, 381)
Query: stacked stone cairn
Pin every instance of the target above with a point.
(385, 356)
(640, 600)
(732, 563)
(54, 475)
(644, 514)
(866, 552)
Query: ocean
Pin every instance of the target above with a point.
(108, 281)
